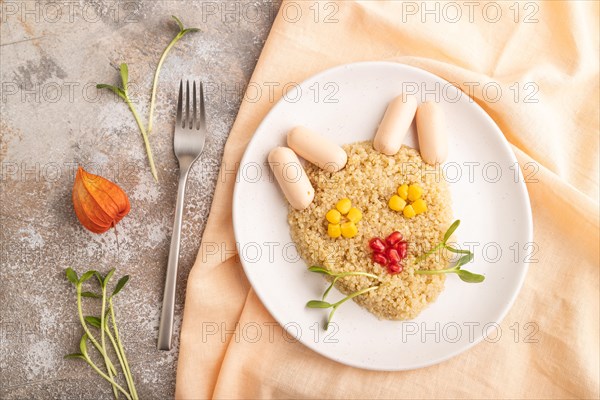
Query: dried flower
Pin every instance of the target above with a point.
(99, 203)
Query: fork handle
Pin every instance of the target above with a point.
(165, 329)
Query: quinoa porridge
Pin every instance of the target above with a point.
(368, 180)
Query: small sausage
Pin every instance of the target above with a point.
(433, 142)
(291, 177)
(394, 125)
(317, 149)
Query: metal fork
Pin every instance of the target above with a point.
(188, 143)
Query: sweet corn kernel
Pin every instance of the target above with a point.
(414, 192)
(349, 230)
(396, 203)
(409, 211)
(333, 216)
(334, 230)
(344, 205)
(354, 215)
(403, 191)
(419, 206)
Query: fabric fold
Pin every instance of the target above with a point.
(548, 75)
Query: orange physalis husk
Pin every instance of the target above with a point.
(99, 203)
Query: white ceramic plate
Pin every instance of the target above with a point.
(346, 104)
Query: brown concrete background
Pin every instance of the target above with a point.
(52, 119)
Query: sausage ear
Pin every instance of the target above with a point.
(291, 176)
(394, 126)
(317, 149)
(433, 141)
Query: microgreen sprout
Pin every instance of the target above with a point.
(182, 32)
(464, 275)
(106, 331)
(444, 244)
(334, 306)
(466, 258)
(123, 92)
(336, 276)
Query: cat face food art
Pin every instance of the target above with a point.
(377, 212)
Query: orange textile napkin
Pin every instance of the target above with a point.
(544, 58)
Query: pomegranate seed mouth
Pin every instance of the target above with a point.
(390, 252)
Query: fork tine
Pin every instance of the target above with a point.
(202, 117)
(179, 103)
(187, 105)
(193, 122)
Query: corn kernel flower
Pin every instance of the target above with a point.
(347, 228)
(408, 200)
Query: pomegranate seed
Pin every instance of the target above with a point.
(394, 268)
(394, 238)
(377, 245)
(379, 258)
(393, 256)
(402, 248)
